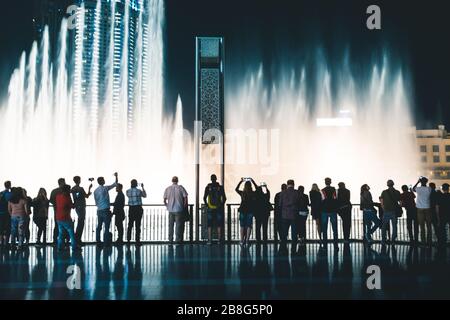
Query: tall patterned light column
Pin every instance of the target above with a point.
(209, 104)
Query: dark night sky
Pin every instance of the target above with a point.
(416, 33)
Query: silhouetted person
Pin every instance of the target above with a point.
(315, 196)
(389, 201)
(101, 196)
(435, 196)
(329, 211)
(408, 202)
(53, 194)
(303, 214)
(176, 202)
(278, 226)
(18, 210)
(5, 219)
(119, 212)
(79, 199)
(345, 210)
(26, 225)
(443, 214)
(135, 210)
(214, 199)
(262, 212)
(387, 231)
(40, 215)
(370, 220)
(290, 207)
(246, 209)
(424, 215)
(64, 206)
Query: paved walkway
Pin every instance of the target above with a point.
(160, 271)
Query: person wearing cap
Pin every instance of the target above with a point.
(424, 214)
(443, 214)
(390, 203)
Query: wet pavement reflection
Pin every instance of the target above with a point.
(196, 271)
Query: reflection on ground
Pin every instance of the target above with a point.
(191, 271)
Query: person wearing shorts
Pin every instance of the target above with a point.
(214, 199)
(246, 208)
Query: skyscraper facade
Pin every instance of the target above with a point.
(107, 65)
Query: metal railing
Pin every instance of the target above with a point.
(356, 231)
(155, 225)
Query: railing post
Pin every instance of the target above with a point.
(191, 223)
(229, 223)
(197, 223)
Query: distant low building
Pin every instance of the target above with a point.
(434, 150)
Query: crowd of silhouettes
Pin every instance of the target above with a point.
(427, 212)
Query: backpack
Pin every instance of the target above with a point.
(214, 196)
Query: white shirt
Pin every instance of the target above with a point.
(175, 195)
(101, 196)
(423, 197)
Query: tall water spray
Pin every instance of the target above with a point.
(48, 131)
